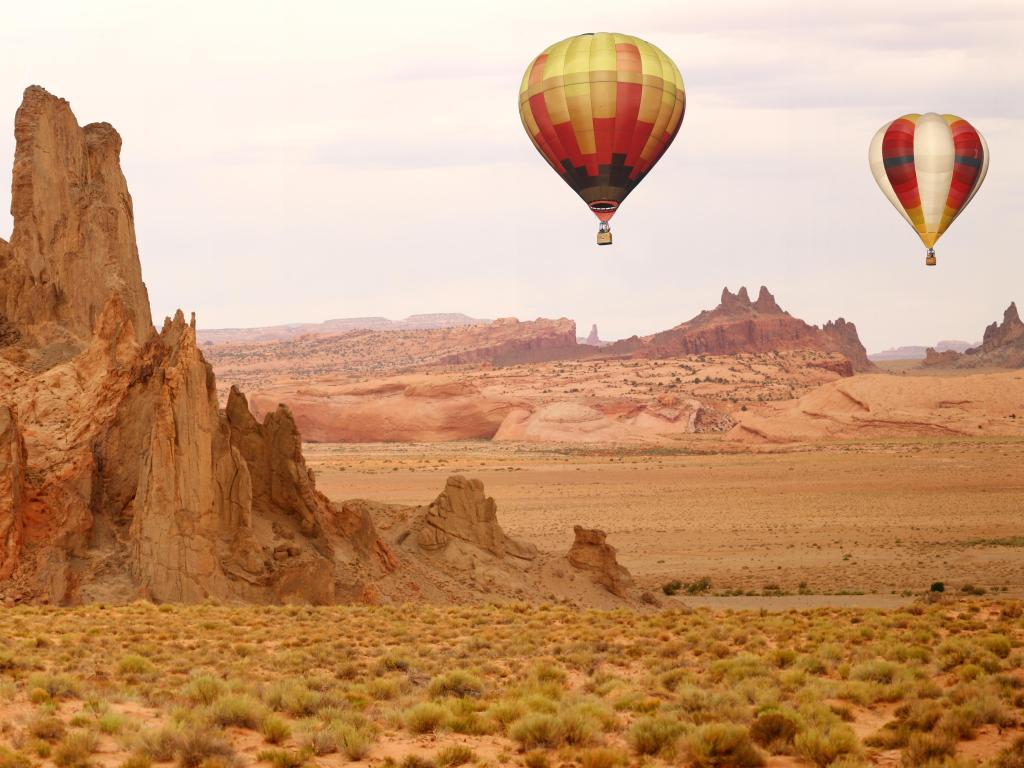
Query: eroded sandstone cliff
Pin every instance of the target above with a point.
(119, 476)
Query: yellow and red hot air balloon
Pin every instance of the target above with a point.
(930, 167)
(602, 109)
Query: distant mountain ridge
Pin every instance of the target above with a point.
(915, 352)
(420, 322)
(1002, 346)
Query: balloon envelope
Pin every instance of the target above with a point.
(602, 109)
(930, 167)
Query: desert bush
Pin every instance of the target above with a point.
(159, 744)
(293, 697)
(238, 709)
(195, 745)
(536, 758)
(671, 587)
(774, 731)
(655, 735)
(425, 717)
(48, 728)
(54, 686)
(75, 750)
(203, 689)
(537, 729)
(822, 745)
(722, 744)
(458, 683)
(454, 755)
(927, 748)
(134, 664)
(275, 729)
(353, 741)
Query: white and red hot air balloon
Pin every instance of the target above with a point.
(930, 167)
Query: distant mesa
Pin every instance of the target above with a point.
(1002, 346)
(210, 336)
(738, 325)
(918, 352)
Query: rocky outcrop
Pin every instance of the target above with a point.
(1002, 347)
(592, 554)
(73, 243)
(120, 478)
(463, 512)
(739, 325)
(12, 490)
(999, 335)
(592, 339)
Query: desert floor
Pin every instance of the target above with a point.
(843, 524)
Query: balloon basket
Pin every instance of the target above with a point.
(604, 238)
(929, 260)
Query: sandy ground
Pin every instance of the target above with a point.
(880, 518)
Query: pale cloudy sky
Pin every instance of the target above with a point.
(296, 161)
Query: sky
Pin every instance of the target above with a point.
(299, 161)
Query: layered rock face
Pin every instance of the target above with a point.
(119, 476)
(739, 325)
(1002, 346)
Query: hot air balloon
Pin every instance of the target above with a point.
(930, 167)
(602, 109)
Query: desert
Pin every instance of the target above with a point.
(431, 533)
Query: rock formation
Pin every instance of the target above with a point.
(592, 339)
(462, 511)
(1002, 346)
(119, 477)
(592, 554)
(73, 243)
(739, 325)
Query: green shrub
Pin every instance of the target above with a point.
(938, 586)
(671, 587)
(722, 744)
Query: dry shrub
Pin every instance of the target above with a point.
(722, 744)
(774, 731)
